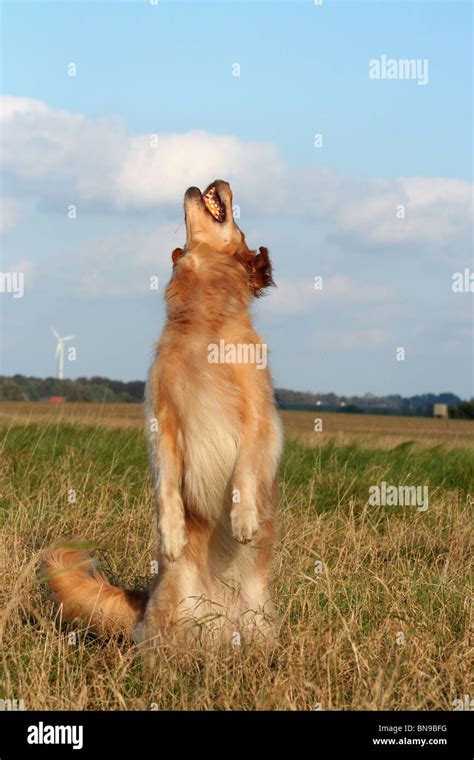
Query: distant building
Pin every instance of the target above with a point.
(57, 400)
(440, 410)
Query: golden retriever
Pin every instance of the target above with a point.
(214, 442)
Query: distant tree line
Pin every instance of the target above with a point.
(103, 390)
(465, 410)
(93, 389)
(420, 405)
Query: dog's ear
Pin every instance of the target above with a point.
(260, 272)
(176, 255)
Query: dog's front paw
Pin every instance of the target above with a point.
(173, 537)
(244, 524)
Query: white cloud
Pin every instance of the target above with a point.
(61, 158)
(9, 213)
(120, 266)
(290, 297)
(364, 337)
(431, 211)
(64, 158)
(300, 296)
(22, 265)
(150, 176)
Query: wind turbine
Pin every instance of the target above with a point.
(59, 355)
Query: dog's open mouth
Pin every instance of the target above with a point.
(214, 204)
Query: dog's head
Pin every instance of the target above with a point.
(211, 230)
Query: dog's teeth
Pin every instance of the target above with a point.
(213, 204)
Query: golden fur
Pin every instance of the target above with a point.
(214, 443)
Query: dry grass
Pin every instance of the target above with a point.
(379, 431)
(366, 429)
(384, 625)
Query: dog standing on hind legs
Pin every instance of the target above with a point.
(214, 441)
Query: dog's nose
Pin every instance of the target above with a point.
(192, 192)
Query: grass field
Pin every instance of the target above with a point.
(374, 600)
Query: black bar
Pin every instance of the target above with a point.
(373, 734)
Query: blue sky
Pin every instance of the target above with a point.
(167, 70)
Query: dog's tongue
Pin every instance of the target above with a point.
(213, 204)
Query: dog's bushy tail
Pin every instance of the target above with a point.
(87, 596)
